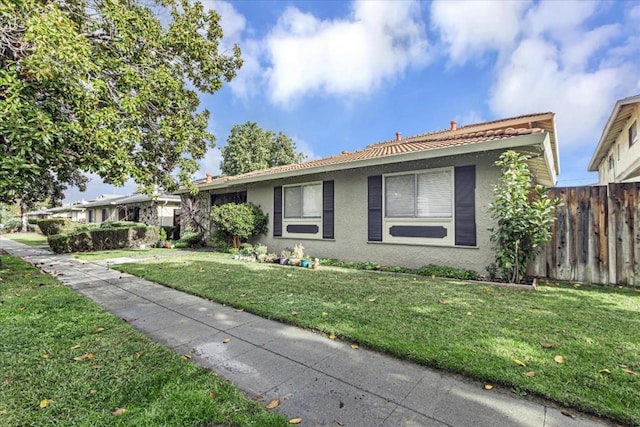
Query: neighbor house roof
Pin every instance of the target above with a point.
(520, 131)
(621, 113)
(132, 198)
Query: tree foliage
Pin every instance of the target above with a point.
(105, 87)
(235, 222)
(249, 148)
(523, 213)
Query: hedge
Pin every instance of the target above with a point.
(101, 239)
(51, 226)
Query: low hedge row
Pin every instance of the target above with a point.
(51, 226)
(105, 238)
(427, 270)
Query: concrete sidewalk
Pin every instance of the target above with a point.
(325, 382)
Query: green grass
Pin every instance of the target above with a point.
(479, 331)
(46, 325)
(120, 253)
(31, 239)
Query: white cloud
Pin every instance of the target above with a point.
(551, 56)
(210, 163)
(471, 28)
(96, 187)
(303, 146)
(344, 56)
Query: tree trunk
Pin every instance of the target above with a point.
(23, 217)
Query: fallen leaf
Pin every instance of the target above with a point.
(129, 319)
(226, 340)
(324, 313)
(46, 356)
(354, 346)
(119, 411)
(45, 402)
(442, 301)
(332, 336)
(529, 374)
(259, 398)
(567, 414)
(372, 299)
(339, 423)
(273, 404)
(239, 310)
(75, 346)
(294, 313)
(185, 356)
(559, 359)
(95, 366)
(139, 355)
(295, 420)
(84, 356)
(212, 394)
(468, 313)
(22, 308)
(98, 330)
(519, 362)
(577, 285)
(546, 345)
(488, 387)
(604, 371)
(630, 372)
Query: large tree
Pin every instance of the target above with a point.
(105, 87)
(249, 148)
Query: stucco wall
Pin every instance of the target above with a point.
(350, 200)
(625, 158)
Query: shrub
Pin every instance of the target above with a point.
(523, 213)
(51, 226)
(235, 222)
(98, 239)
(12, 225)
(32, 221)
(444, 271)
(191, 239)
(121, 224)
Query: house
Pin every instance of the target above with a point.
(407, 201)
(162, 210)
(617, 155)
(136, 207)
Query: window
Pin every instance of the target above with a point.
(90, 215)
(611, 163)
(419, 195)
(104, 215)
(633, 133)
(224, 198)
(303, 201)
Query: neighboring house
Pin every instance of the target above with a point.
(136, 207)
(617, 156)
(409, 201)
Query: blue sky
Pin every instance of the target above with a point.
(340, 75)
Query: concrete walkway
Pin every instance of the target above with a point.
(325, 382)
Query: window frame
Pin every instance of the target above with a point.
(415, 174)
(632, 133)
(301, 216)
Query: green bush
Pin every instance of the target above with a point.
(427, 270)
(99, 239)
(33, 221)
(51, 226)
(235, 222)
(191, 239)
(444, 271)
(121, 224)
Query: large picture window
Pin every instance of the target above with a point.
(419, 195)
(303, 201)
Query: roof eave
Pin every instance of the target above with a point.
(538, 139)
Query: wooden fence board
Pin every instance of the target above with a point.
(595, 236)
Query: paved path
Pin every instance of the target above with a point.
(325, 382)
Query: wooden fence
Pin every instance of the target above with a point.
(596, 236)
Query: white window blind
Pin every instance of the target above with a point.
(434, 198)
(399, 196)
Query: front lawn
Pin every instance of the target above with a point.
(577, 345)
(122, 253)
(65, 361)
(31, 239)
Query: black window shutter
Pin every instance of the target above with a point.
(465, 211)
(327, 209)
(374, 206)
(277, 211)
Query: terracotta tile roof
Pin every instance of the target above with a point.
(464, 135)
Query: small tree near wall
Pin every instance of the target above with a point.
(523, 213)
(235, 222)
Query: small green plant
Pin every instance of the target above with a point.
(523, 213)
(163, 234)
(235, 222)
(246, 249)
(191, 239)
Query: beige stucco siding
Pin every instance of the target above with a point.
(165, 213)
(622, 162)
(350, 216)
